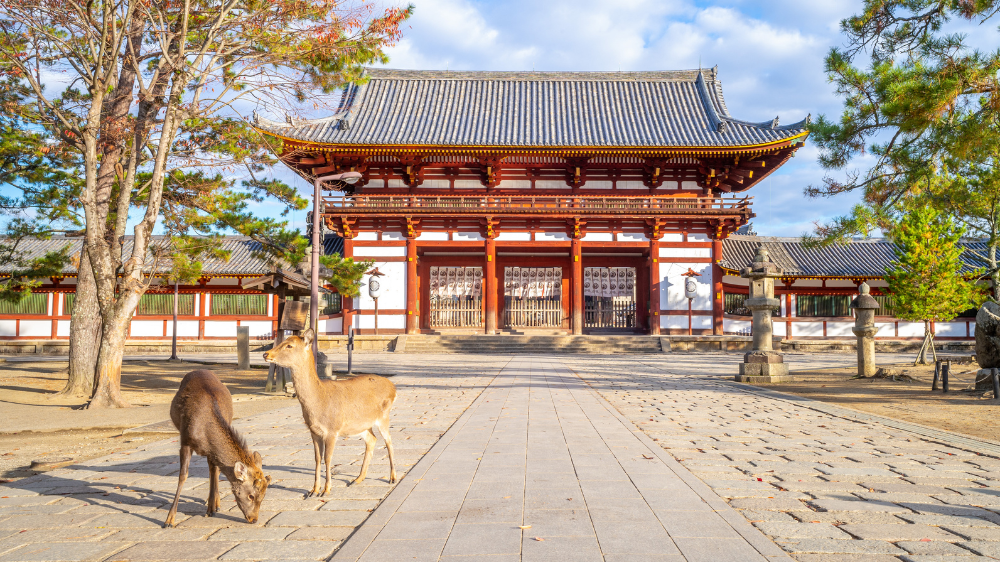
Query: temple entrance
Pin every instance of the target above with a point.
(532, 297)
(456, 297)
(609, 298)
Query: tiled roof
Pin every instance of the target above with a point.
(534, 109)
(868, 257)
(242, 259)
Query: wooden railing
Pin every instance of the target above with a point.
(527, 203)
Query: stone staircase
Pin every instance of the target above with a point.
(533, 345)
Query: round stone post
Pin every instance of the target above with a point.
(762, 364)
(864, 328)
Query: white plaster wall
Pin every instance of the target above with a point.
(514, 236)
(62, 328)
(378, 251)
(598, 237)
(628, 184)
(911, 329)
(730, 325)
(8, 327)
(223, 281)
(371, 235)
(697, 322)
(257, 328)
(632, 237)
(696, 237)
(841, 283)
(885, 329)
(689, 185)
(672, 286)
(949, 329)
(438, 236)
(778, 328)
(185, 328)
(393, 287)
(514, 184)
(467, 236)
(48, 307)
(331, 326)
(800, 329)
(550, 184)
(36, 328)
(388, 321)
(220, 329)
(672, 237)
(141, 328)
(552, 236)
(839, 329)
(397, 236)
(604, 184)
(685, 252)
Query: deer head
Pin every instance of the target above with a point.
(249, 487)
(291, 350)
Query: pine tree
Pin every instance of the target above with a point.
(927, 280)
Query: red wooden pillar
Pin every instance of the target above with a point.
(717, 304)
(654, 286)
(788, 308)
(576, 280)
(347, 303)
(412, 316)
(490, 285)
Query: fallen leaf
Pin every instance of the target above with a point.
(539, 539)
(925, 540)
(760, 479)
(506, 497)
(647, 457)
(525, 526)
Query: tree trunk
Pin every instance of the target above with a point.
(108, 376)
(84, 332)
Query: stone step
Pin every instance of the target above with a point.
(532, 344)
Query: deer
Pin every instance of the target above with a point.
(331, 408)
(202, 411)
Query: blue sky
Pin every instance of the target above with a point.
(770, 57)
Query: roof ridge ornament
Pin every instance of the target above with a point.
(774, 123)
(723, 127)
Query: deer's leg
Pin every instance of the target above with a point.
(213, 490)
(181, 477)
(370, 440)
(329, 446)
(318, 450)
(383, 429)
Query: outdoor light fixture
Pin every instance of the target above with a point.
(348, 178)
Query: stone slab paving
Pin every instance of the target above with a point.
(113, 508)
(825, 483)
(541, 468)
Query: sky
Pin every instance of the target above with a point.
(769, 53)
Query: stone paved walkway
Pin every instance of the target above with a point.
(823, 487)
(112, 508)
(540, 468)
(736, 474)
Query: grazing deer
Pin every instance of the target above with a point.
(352, 407)
(202, 411)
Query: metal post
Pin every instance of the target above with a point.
(314, 274)
(995, 375)
(173, 338)
(944, 376)
(376, 314)
(350, 348)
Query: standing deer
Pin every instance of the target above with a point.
(202, 411)
(352, 407)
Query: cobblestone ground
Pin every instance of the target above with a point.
(823, 487)
(113, 508)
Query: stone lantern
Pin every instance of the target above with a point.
(864, 328)
(763, 364)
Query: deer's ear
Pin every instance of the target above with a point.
(240, 471)
(257, 461)
(268, 479)
(308, 336)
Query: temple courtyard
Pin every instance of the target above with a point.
(561, 457)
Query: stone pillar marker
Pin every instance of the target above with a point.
(864, 327)
(763, 364)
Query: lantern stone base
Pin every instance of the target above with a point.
(763, 367)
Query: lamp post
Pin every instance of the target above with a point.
(690, 291)
(375, 291)
(346, 178)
